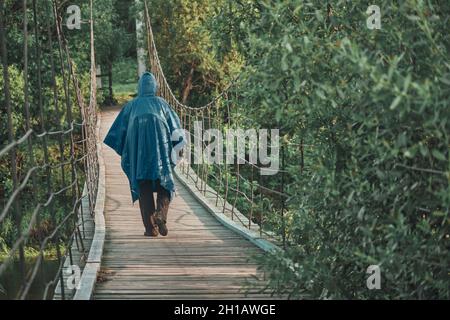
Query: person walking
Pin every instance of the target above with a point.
(143, 134)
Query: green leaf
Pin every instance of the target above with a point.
(438, 155)
(401, 140)
(395, 103)
(361, 213)
(350, 197)
(320, 94)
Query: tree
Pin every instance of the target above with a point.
(190, 59)
(112, 40)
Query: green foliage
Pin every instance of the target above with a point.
(125, 72)
(372, 110)
(17, 100)
(37, 190)
(111, 41)
(193, 65)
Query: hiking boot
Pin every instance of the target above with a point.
(153, 233)
(153, 229)
(161, 223)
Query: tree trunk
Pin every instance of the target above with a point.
(188, 86)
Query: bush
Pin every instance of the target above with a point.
(16, 84)
(374, 107)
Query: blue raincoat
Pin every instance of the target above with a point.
(141, 135)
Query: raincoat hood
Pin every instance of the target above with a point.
(147, 85)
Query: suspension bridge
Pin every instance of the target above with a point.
(217, 224)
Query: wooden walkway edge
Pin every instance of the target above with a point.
(199, 259)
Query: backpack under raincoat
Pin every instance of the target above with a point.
(141, 135)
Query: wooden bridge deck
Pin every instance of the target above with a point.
(199, 259)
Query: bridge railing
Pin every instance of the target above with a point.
(239, 190)
(46, 163)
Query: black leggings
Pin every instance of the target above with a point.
(147, 201)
